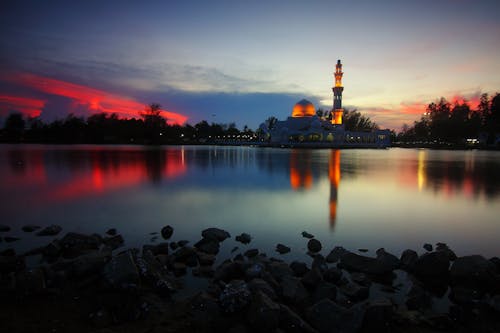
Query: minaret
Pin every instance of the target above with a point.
(337, 95)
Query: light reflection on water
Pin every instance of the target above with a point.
(393, 198)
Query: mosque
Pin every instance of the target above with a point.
(305, 129)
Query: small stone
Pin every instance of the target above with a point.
(244, 238)
(427, 247)
(251, 253)
(4, 228)
(111, 232)
(305, 234)
(30, 228)
(282, 249)
(314, 245)
(51, 230)
(363, 250)
(167, 231)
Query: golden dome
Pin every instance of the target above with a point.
(303, 108)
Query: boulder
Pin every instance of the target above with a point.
(427, 247)
(228, 271)
(326, 316)
(244, 238)
(121, 271)
(378, 316)
(173, 245)
(475, 272)
(185, 254)
(418, 299)
(355, 292)
(324, 290)
(216, 234)
(182, 243)
(111, 232)
(432, 265)
(305, 234)
(254, 271)
(408, 259)
(282, 249)
(279, 270)
(74, 244)
(442, 247)
(114, 242)
(158, 249)
(361, 279)
(4, 228)
(335, 254)
(235, 297)
(251, 253)
(332, 274)
(354, 262)
(312, 278)
(167, 231)
(51, 230)
(291, 322)
(293, 290)
(263, 313)
(319, 263)
(496, 261)
(258, 284)
(388, 258)
(464, 296)
(208, 245)
(91, 263)
(30, 282)
(206, 259)
(299, 268)
(314, 245)
(30, 228)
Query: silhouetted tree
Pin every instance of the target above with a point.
(355, 121)
(14, 127)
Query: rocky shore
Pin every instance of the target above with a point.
(91, 283)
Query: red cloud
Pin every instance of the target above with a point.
(31, 107)
(94, 100)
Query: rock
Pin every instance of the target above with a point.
(235, 297)
(185, 254)
(464, 296)
(182, 243)
(351, 261)
(208, 245)
(174, 245)
(387, 258)
(408, 259)
(299, 268)
(260, 285)
(251, 253)
(305, 234)
(155, 274)
(293, 290)
(496, 261)
(378, 316)
(495, 303)
(8, 253)
(441, 322)
(335, 254)
(30, 282)
(263, 313)
(158, 249)
(234, 249)
(4, 228)
(206, 259)
(279, 270)
(355, 292)
(314, 245)
(121, 271)
(282, 249)
(432, 265)
(205, 312)
(418, 299)
(244, 238)
(179, 268)
(75, 244)
(90, 263)
(319, 263)
(363, 250)
(204, 271)
(332, 274)
(30, 228)
(324, 290)
(111, 232)
(53, 249)
(11, 239)
(292, 323)
(216, 234)
(114, 242)
(312, 278)
(167, 231)
(427, 247)
(442, 247)
(361, 279)
(51, 230)
(228, 271)
(10, 264)
(326, 316)
(254, 271)
(475, 272)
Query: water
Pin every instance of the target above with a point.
(394, 198)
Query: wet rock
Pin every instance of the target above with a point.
(319, 263)
(114, 242)
(206, 259)
(378, 316)
(332, 274)
(260, 285)
(305, 234)
(208, 245)
(351, 261)
(91, 263)
(363, 250)
(355, 292)
(234, 249)
(279, 270)
(427, 247)
(312, 278)
(155, 274)
(216, 234)
(4, 228)
(167, 231)
(408, 259)
(417, 298)
(326, 316)
(387, 258)
(182, 243)
(244, 238)
(228, 271)
(53, 249)
(121, 271)
(293, 290)
(235, 297)
(263, 313)
(205, 312)
(11, 239)
(174, 246)
(111, 232)
(299, 268)
(255, 270)
(324, 290)
(335, 254)
(30, 282)
(185, 254)
(474, 271)
(51, 230)
(30, 228)
(314, 245)
(251, 253)
(158, 249)
(442, 247)
(282, 249)
(433, 265)
(361, 279)
(291, 322)
(74, 244)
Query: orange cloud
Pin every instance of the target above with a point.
(94, 100)
(31, 107)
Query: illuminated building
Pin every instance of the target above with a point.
(305, 129)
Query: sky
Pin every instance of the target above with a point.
(243, 61)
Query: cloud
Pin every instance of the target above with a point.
(31, 107)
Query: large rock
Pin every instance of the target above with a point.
(312, 278)
(74, 244)
(408, 259)
(260, 285)
(279, 270)
(355, 292)
(319, 263)
(332, 274)
(474, 271)
(186, 254)
(326, 316)
(299, 268)
(30, 228)
(282, 249)
(378, 316)
(442, 247)
(228, 271)
(324, 290)
(121, 271)
(356, 262)
(215, 234)
(208, 245)
(91, 263)
(314, 245)
(433, 265)
(336, 254)
(235, 297)
(167, 231)
(114, 242)
(418, 298)
(244, 238)
(293, 290)
(388, 258)
(263, 313)
(51, 230)
(292, 323)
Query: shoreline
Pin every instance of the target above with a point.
(90, 283)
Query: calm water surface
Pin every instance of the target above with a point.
(395, 198)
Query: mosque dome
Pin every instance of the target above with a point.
(303, 108)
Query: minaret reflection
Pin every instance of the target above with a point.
(334, 175)
(301, 175)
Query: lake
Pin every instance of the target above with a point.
(392, 198)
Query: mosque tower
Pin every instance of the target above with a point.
(337, 111)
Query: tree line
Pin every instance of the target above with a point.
(150, 128)
(447, 123)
